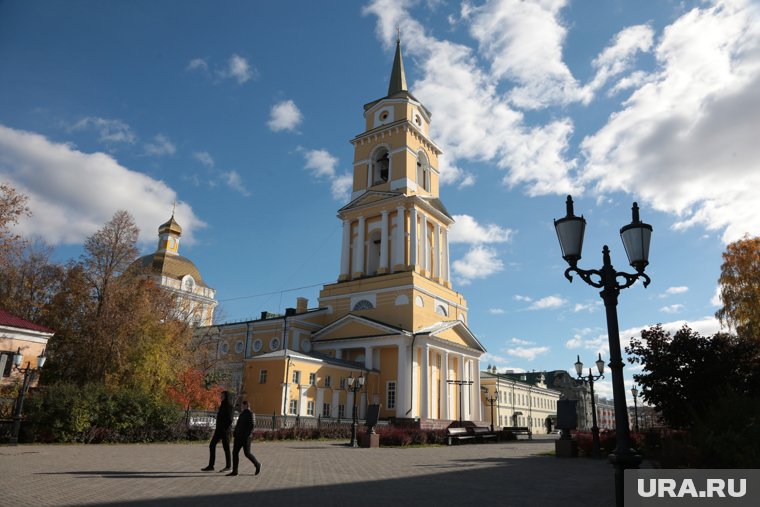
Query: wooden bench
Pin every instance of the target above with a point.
(458, 435)
(482, 434)
(518, 430)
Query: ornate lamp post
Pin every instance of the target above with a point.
(491, 397)
(636, 237)
(635, 394)
(590, 379)
(354, 385)
(29, 375)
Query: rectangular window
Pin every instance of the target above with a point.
(8, 362)
(296, 377)
(325, 410)
(262, 376)
(293, 407)
(341, 411)
(343, 382)
(312, 379)
(310, 408)
(390, 397)
(328, 381)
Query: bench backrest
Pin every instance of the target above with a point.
(457, 431)
(479, 429)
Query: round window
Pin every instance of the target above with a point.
(239, 347)
(257, 345)
(274, 343)
(224, 348)
(384, 115)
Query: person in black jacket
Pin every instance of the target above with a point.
(222, 432)
(243, 430)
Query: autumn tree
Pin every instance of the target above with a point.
(740, 287)
(29, 280)
(12, 208)
(685, 373)
(190, 390)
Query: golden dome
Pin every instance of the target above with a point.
(171, 226)
(171, 265)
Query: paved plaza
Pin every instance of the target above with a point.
(303, 473)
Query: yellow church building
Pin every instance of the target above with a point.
(392, 316)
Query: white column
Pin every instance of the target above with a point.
(335, 403)
(383, 267)
(424, 381)
(302, 400)
(445, 253)
(338, 353)
(402, 384)
(478, 414)
(320, 401)
(413, 237)
(368, 353)
(345, 251)
(461, 391)
(286, 398)
(424, 251)
(445, 387)
(398, 240)
(359, 249)
(437, 251)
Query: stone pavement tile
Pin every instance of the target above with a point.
(314, 473)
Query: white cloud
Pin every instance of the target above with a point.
(64, 211)
(496, 311)
(238, 69)
(480, 262)
(575, 342)
(674, 290)
(198, 64)
(109, 130)
(323, 165)
(685, 141)
(587, 307)
(548, 303)
(518, 297)
(517, 341)
(716, 299)
(672, 308)
(514, 35)
(474, 121)
(233, 180)
(527, 353)
(467, 230)
(160, 146)
(619, 57)
(204, 158)
(284, 115)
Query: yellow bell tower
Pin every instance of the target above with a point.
(395, 256)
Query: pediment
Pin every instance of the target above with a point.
(354, 326)
(454, 331)
(368, 198)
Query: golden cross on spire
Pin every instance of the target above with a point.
(174, 207)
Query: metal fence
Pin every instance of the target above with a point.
(203, 419)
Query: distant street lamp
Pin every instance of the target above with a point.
(460, 383)
(354, 385)
(636, 237)
(635, 393)
(590, 379)
(491, 397)
(29, 375)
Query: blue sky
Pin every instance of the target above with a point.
(241, 112)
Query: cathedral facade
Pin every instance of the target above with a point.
(392, 316)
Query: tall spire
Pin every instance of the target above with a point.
(398, 77)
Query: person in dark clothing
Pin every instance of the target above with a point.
(222, 432)
(243, 430)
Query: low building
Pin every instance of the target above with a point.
(522, 399)
(20, 335)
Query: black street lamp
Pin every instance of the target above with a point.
(460, 383)
(354, 385)
(29, 374)
(590, 379)
(636, 237)
(491, 398)
(635, 393)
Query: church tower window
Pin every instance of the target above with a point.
(363, 305)
(380, 166)
(423, 167)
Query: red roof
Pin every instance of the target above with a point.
(7, 319)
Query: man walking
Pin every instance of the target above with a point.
(243, 430)
(222, 432)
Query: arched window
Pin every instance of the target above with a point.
(380, 166)
(441, 310)
(423, 171)
(363, 305)
(188, 283)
